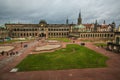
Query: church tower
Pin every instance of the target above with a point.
(67, 21)
(79, 19)
(113, 26)
(104, 22)
(95, 26)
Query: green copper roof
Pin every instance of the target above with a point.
(2, 26)
(79, 26)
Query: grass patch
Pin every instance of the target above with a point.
(9, 41)
(86, 40)
(72, 57)
(100, 44)
(12, 41)
(60, 39)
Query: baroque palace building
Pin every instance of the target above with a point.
(92, 31)
(3, 33)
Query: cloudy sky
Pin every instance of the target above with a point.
(56, 11)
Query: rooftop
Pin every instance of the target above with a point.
(79, 26)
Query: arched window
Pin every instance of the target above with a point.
(117, 40)
(42, 29)
(17, 29)
(30, 34)
(91, 35)
(14, 29)
(32, 29)
(105, 35)
(27, 34)
(24, 34)
(48, 33)
(35, 34)
(111, 35)
(21, 34)
(108, 35)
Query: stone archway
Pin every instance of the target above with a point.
(117, 40)
(42, 35)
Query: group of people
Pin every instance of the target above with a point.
(10, 53)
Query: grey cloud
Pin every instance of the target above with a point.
(56, 11)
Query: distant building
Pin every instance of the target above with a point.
(119, 28)
(92, 31)
(115, 45)
(3, 33)
(38, 30)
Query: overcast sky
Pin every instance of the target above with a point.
(56, 11)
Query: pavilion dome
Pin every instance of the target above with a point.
(42, 22)
(2, 26)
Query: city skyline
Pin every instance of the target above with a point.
(57, 11)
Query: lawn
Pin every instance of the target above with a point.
(100, 44)
(86, 40)
(72, 57)
(12, 41)
(60, 39)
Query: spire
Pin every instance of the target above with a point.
(113, 22)
(80, 14)
(79, 18)
(96, 22)
(95, 26)
(104, 22)
(67, 20)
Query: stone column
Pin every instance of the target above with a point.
(46, 32)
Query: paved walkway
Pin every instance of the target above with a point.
(7, 59)
(47, 47)
(6, 48)
(112, 72)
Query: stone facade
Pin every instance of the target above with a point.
(79, 30)
(3, 33)
(115, 45)
(106, 36)
(38, 30)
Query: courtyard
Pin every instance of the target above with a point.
(108, 70)
(72, 57)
